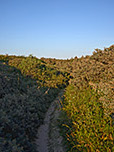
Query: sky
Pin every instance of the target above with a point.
(55, 28)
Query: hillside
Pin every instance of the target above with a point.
(26, 92)
(28, 85)
(88, 107)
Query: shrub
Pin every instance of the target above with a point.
(90, 129)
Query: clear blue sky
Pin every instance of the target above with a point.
(55, 28)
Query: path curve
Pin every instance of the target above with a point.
(48, 137)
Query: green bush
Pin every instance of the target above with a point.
(40, 71)
(27, 90)
(22, 109)
(89, 128)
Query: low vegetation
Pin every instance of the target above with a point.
(29, 85)
(88, 105)
(86, 127)
(25, 96)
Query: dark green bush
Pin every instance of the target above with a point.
(22, 109)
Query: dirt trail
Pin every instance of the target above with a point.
(48, 137)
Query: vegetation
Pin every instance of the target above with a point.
(24, 99)
(86, 127)
(89, 103)
(28, 85)
(37, 69)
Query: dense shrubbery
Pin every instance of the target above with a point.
(37, 69)
(89, 103)
(23, 105)
(86, 126)
(27, 90)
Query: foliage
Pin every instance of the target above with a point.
(22, 109)
(37, 69)
(89, 129)
(28, 85)
(89, 103)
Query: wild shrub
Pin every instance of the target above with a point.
(22, 109)
(40, 71)
(89, 128)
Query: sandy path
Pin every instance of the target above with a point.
(43, 140)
